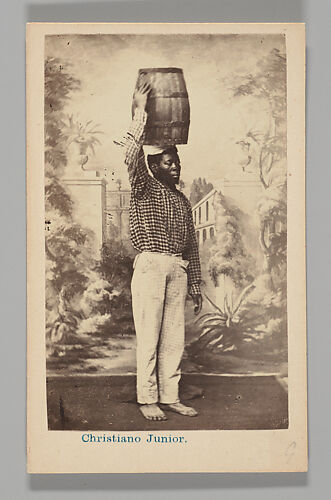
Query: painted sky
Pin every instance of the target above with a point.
(107, 66)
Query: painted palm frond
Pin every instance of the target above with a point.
(225, 330)
(73, 130)
(244, 294)
(213, 304)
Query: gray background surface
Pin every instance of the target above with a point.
(15, 483)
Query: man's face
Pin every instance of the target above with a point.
(168, 170)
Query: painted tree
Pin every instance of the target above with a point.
(199, 188)
(59, 85)
(228, 254)
(70, 265)
(266, 152)
(257, 316)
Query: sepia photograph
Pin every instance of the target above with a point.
(166, 233)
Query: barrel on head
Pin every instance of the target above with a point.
(168, 106)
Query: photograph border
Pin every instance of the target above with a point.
(219, 451)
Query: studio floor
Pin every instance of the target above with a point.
(224, 402)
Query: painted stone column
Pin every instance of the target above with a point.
(88, 192)
(89, 197)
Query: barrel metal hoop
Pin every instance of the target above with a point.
(160, 70)
(174, 94)
(168, 141)
(167, 124)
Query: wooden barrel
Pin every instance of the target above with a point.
(168, 106)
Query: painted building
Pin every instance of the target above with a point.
(204, 217)
(243, 192)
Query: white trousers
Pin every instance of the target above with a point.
(159, 288)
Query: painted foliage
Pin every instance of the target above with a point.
(243, 325)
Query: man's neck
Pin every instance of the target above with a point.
(169, 185)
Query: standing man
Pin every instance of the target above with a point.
(166, 267)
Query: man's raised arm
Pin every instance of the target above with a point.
(133, 141)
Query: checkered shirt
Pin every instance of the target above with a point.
(160, 218)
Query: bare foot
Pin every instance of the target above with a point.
(152, 412)
(181, 409)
